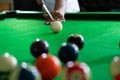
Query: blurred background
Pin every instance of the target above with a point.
(25, 5)
(85, 5)
(99, 5)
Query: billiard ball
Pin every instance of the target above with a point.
(7, 63)
(77, 39)
(76, 71)
(56, 26)
(38, 47)
(25, 71)
(115, 68)
(68, 52)
(48, 65)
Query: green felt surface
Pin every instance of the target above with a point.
(101, 41)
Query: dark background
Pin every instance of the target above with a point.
(99, 5)
(26, 5)
(85, 5)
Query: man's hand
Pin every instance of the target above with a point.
(57, 15)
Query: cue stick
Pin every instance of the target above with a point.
(46, 9)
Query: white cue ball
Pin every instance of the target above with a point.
(7, 62)
(56, 26)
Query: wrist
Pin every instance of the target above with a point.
(60, 11)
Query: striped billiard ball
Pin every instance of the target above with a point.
(76, 71)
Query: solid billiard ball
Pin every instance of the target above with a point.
(7, 62)
(48, 65)
(56, 26)
(115, 68)
(25, 72)
(68, 52)
(76, 71)
(38, 47)
(76, 39)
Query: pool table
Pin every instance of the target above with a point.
(101, 32)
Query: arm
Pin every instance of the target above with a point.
(60, 6)
(58, 13)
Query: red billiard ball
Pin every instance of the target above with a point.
(48, 65)
(115, 68)
(76, 39)
(68, 52)
(76, 71)
(38, 47)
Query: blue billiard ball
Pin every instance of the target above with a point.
(68, 52)
(25, 72)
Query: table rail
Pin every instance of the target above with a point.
(76, 16)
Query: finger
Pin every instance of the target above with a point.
(48, 21)
(62, 20)
(46, 16)
(57, 17)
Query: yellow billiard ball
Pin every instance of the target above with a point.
(7, 62)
